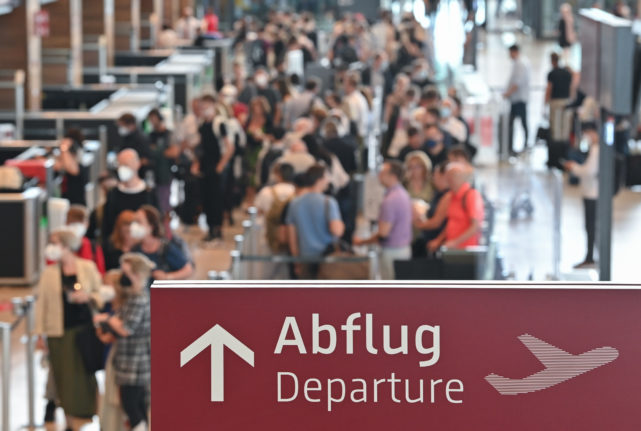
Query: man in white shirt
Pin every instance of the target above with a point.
(187, 26)
(518, 94)
(357, 105)
(588, 173)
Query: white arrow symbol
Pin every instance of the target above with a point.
(217, 338)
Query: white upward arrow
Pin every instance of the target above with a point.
(217, 338)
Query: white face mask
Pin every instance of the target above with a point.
(53, 252)
(209, 113)
(125, 173)
(137, 231)
(584, 145)
(79, 229)
(123, 131)
(262, 80)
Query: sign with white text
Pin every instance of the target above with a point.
(380, 356)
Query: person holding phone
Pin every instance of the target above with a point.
(67, 290)
(131, 329)
(588, 173)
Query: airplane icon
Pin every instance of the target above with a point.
(560, 366)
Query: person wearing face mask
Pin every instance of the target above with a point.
(67, 292)
(261, 78)
(69, 162)
(130, 137)
(130, 194)
(214, 153)
(120, 241)
(452, 125)
(78, 221)
(436, 149)
(588, 172)
(129, 330)
(164, 153)
(169, 258)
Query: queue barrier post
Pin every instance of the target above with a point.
(374, 273)
(558, 198)
(5, 333)
(235, 264)
(29, 339)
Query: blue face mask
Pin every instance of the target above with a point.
(446, 112)
(431, 143)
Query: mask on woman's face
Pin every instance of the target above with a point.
(431, 143)
(125, 281)
(138, 231)
(123, 131)
(261, 80)
(209, 113)
(125, 173)
(53, 252)
(79, 229)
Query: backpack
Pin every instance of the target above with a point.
(487, 225)
(273, 222)
(178, 243)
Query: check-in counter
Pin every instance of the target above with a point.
(20, 228)
(187, 79)
(138, 100)
(147, 57)
(36, 159)
(192, 74)
(223, 55)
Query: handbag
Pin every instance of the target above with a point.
(92, 350)
(359, 270)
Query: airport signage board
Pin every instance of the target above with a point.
(42, 26)
(380, 356)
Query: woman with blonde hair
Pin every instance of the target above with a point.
(120, 241)
(418, 179)
(67, 291)
(131, 328)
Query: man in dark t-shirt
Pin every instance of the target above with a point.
(557, 96)
(213, 153)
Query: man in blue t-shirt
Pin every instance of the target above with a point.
(313, 221)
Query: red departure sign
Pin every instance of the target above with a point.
(364, 356)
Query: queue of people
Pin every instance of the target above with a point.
(290, 145)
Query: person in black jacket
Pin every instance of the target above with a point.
(213, 157)
(131, 137)
(130, 194)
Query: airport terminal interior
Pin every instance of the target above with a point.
(144, 140)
